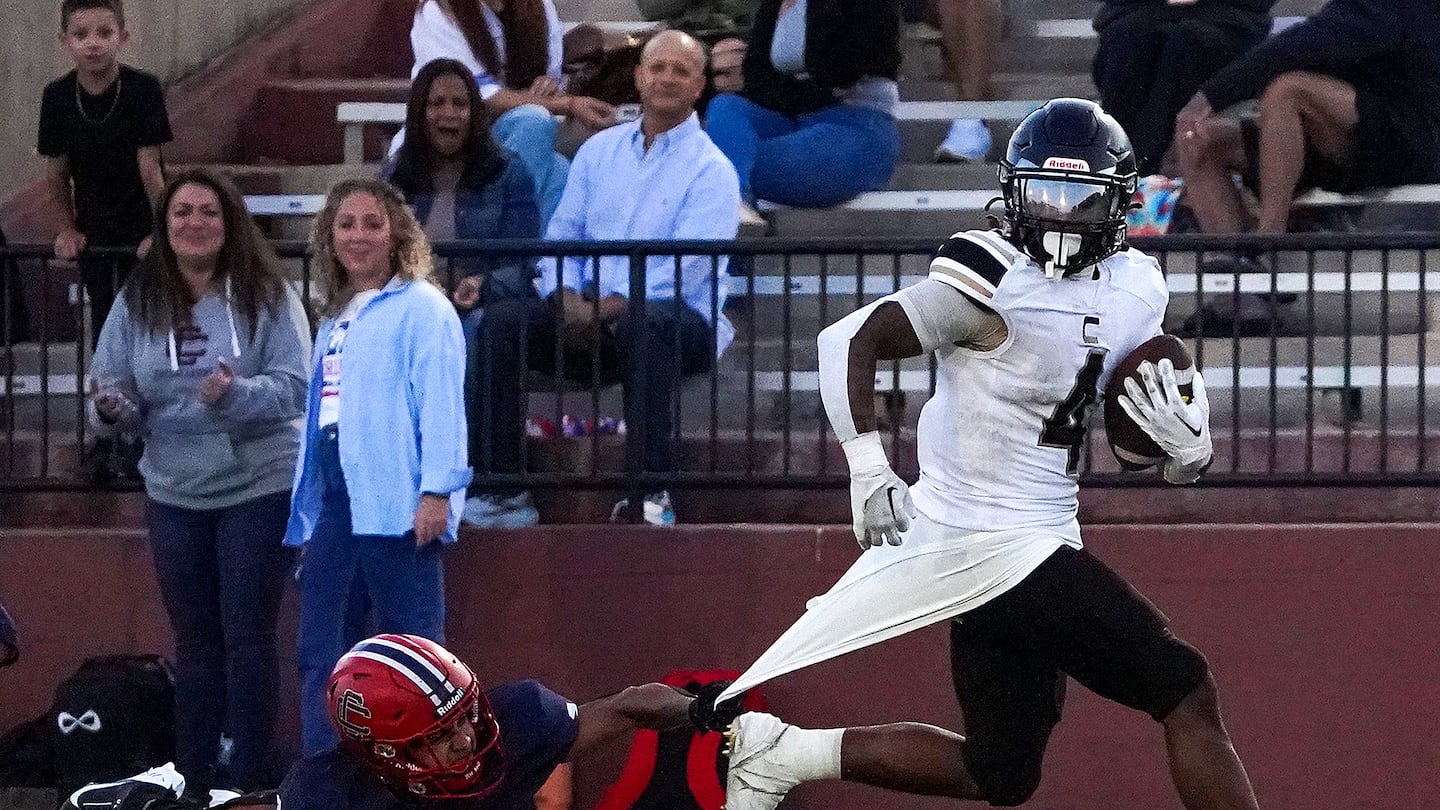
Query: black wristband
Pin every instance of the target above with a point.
(706, 715)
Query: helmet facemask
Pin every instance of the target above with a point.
(1065, 220)
(415, 764)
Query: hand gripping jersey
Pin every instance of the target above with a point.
(999, 443)
(537, 728)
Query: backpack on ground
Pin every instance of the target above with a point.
(113, 718)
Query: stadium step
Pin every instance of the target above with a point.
(1037, 84)
(920, 175)
(275, 179)
(294, 120)
(39, 453)
(1053, 45)
(40, 388)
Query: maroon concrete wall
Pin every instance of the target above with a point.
(1322, 638)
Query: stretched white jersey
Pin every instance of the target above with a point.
(999, 448)
(999, 442)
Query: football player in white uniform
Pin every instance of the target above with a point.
(1025, 324)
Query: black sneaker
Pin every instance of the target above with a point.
(1243, 315)
(95, 466)
(125, 464)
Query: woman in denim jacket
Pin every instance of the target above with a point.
(462, 185)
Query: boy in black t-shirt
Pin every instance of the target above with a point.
(101, 127)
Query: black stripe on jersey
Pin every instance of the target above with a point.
(966, 251)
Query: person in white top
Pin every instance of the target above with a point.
(514, 49)
(1025, 324)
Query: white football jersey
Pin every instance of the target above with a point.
(999, 442)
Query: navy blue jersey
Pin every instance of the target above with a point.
(537, 728)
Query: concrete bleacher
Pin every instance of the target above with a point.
(306, 132)
(1048, 54)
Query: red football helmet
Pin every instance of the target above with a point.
(399, 700)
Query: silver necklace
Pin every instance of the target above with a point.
(115, 102)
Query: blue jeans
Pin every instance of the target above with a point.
(221, 574)
(404, 585)
(817, 160)
(529, 131)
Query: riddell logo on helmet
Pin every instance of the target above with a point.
(1068, 164)
(444, 708)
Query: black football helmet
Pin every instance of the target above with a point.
(1067, 180)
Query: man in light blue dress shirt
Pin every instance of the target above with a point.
(659, 177)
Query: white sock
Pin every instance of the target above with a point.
(812, 753)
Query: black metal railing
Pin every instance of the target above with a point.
(1327, 384)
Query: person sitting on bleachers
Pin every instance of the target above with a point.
(659, 177)
(1349, 100)
(1153, 55)
(722, 24)
(462, 185)
(970, 34)
(814, 125)
(514, 50)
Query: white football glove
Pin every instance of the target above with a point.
(1182, 429)
(880, 505)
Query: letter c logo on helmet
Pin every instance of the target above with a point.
(349, 711)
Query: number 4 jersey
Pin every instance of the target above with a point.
(1000, 441)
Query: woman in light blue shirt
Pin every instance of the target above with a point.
(382, 471)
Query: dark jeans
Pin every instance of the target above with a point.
(341, 570)
(1151, 59)
(517, 336)
(103, 278)
(222, 573)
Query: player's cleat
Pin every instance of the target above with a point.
(757, 778)
(154, 789)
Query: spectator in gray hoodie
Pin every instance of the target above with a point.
(205, 354)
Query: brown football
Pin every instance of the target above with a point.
(1133, 447)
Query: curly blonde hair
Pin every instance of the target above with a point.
(411, 259)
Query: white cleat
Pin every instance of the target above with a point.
(758, 779)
